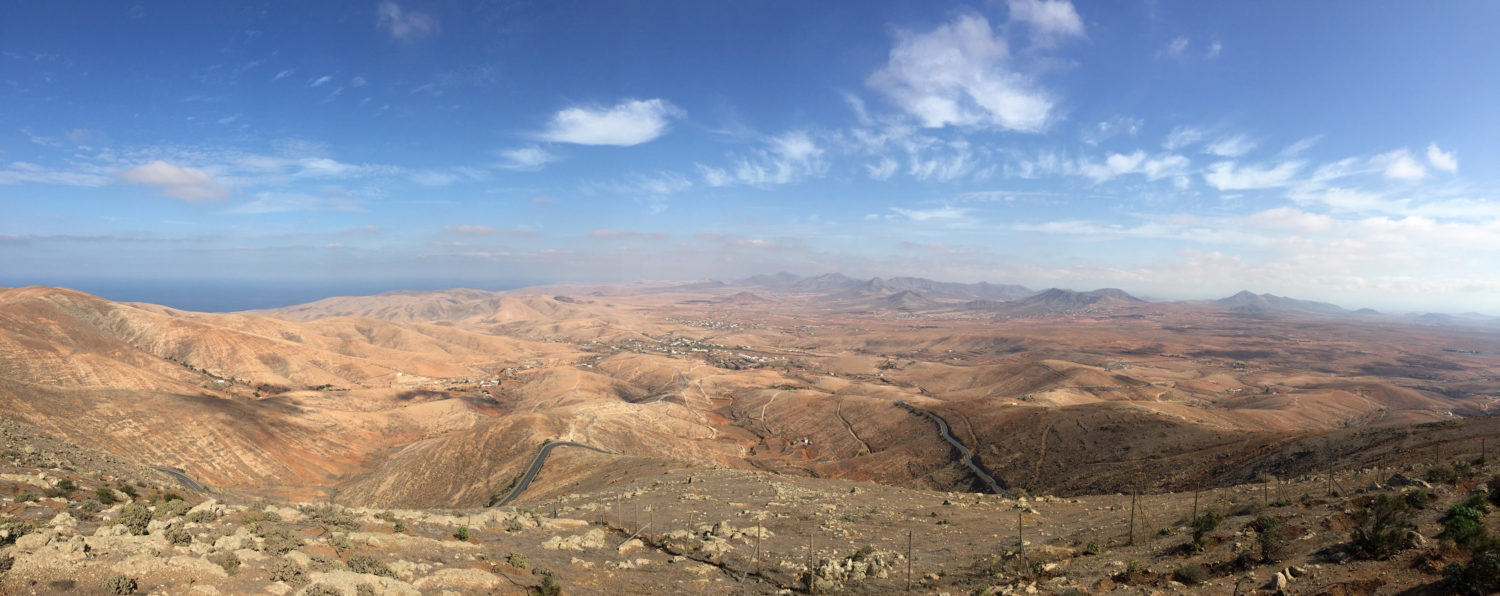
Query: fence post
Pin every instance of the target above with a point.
(757, 547)
(908, 560)
(1020, 539)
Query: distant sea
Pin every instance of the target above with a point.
(209, 295)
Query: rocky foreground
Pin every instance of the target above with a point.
(75, 521)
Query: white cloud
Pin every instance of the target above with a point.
(41, 140)
(1225, 175)
(434, 177)
(526, 158)
(1105, 129)
(786, 158)
(1343, 200)
(1182, 136)
(1343, 168)
(881, 170)
(613, 233)
(276, 202)
(18, 172)
(1301, 146)
(1175, 49)
(1119, 164)
(1234, 146)
(1163, 166)
(405, 25)
(284, 74)
(943, 168)
(1447, 162)
(229, 119)
(1290, 218)
(1114, 165)
(320, 81)
(1400, 165)
(1049, 19)
(944, 213)
(358, 82)
(958, 74)
(661, 183)
(188, 184)
(1213, 50)
(714, 177)
(471, 229)
(631, 122)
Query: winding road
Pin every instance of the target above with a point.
(966, 456)
(536, 467)
(191, 484)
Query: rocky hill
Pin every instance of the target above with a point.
(77, 521)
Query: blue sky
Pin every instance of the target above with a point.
(1342, 151)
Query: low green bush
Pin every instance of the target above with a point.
(135, 518)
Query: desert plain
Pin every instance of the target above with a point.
(778, 434)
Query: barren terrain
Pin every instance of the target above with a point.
(767, 400)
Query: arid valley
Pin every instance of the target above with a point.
(762, 436)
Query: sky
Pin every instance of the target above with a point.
(221, 155)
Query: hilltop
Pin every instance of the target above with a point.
(422, 403)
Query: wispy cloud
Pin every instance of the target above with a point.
(631, 122)
(960, 74)
(1290, 218)
(1225, 175)
(188, 184)
(1181, 48)
(284, 74)
(783, 159)
(526, 158)
(945, 213)
(610, 233)
(1400, 165)
(319, 81)
(660, 183)
(883, 169)
(1106, 129)
(1176, 48)
(1118, 164)
(1230, 146)
(277, 202)
(18, 172)
(41, 140)
(472, 230)
(1049, 19)
(1447, 162)
(1182, 136)
(405, 25)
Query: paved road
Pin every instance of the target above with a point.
(966, 456)
(191, 484)
(536, 466)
